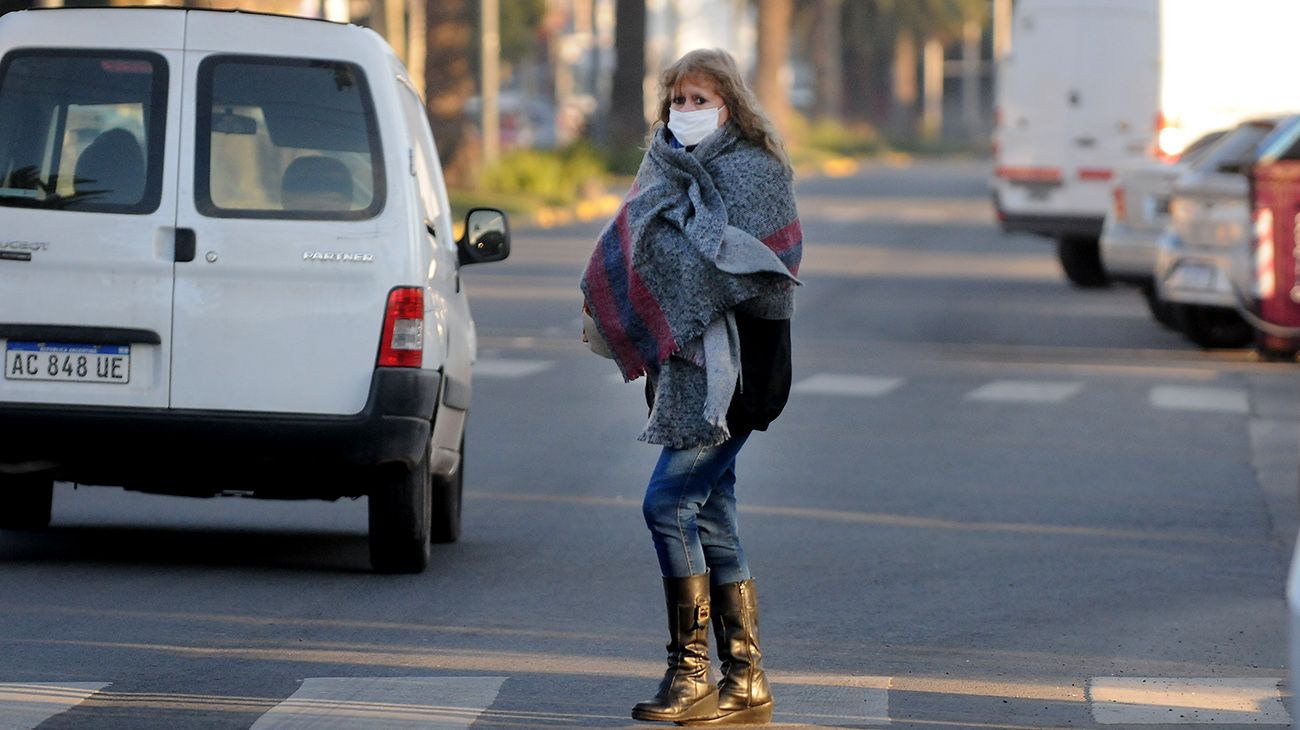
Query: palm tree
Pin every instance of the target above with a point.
(774, 20)
(627, 123)
(931, 24)
(448, 79)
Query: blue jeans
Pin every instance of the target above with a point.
(690, 508)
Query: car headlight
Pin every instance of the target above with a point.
(1212, 222)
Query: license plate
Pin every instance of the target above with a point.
(61, 361)
(1199, 277)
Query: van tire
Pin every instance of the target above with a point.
(400, 504)
(27, 502)
(448, 493)
(1080, 258)
(1213, 327)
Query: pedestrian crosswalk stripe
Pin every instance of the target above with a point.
(1179, 701)
(836, 706)
(24, 705)
(1189, 398)
(428, 703)
(1025, 391)
(862, 386)
(501, 368)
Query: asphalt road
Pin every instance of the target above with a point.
(994, 501)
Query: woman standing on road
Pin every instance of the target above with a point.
(692, 284)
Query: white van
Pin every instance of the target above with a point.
(228, 267)
(1090, 84)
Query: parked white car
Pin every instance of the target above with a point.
(1202, 260)
(229, 268)
(1137, 217)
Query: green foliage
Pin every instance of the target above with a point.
(848, 140)
(519, 22)
(552, 177)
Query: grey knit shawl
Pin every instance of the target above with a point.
(697, 220)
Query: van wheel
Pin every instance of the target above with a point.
(447, 495)
(1213, 327)
(27, 501)
(1080, 258)
(399, 518)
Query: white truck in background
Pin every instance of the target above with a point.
(1090, 84)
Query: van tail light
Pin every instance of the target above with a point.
(402, 345)
(1119, 203)
(1265, 275)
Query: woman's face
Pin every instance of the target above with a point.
(694, 93)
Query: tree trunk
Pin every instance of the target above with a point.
(971, 117)
(627, 97)
(449, 80)
(903, 110)
(932, 74)
(828, 59)
(772, 72)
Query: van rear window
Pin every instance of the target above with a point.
(82, 130)
(286, 138)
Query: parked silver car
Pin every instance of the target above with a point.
(1202, 259)
(1138, 214)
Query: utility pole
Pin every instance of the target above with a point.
(490, 11)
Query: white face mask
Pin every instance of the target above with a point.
(690, 128)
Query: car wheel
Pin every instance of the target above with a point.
(28, 500)
(1161, 311)
(447, 494)
(399, 518)
(1213, 327)
(1275, 349)
(1080, 258)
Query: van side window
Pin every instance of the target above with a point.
(82, 130)
(286, 138)
(425, 160)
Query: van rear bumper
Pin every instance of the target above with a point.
(1049, 225)
(1052, 226)
(206, 452)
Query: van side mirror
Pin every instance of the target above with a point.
(486, 238)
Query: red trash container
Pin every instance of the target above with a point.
(1275, 198)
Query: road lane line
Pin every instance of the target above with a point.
(344, 703)
(858, 386)
(1187, 398)
(502, 368)
(1187, 701)
(833, 705)
(24, 705)
(1025, 391)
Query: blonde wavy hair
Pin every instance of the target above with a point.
(717, 66)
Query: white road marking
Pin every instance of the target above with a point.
(1188, 398)
(1178, 701)
(1024, 391)
(25, 705)
(859, 386)
(500, 368)
(343, 703)
(836, 706)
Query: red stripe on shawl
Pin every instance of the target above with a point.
(645, 304)
(786, 238)
(606, 308)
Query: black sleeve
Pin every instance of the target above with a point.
(765, 366)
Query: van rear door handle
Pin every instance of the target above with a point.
(186, 245)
